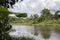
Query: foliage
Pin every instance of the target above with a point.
(45, 11)
(4, 12)
(46, 19)
(35, 18)
(5, 3)
(22, 15)
(4, 28)
(4, 24)
(46, 15)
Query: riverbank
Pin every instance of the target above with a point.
(44, 23)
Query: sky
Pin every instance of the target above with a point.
(32, 7)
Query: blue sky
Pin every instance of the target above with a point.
(35, 6)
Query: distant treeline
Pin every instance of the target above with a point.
(46, 15)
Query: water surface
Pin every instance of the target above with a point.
(30, 31)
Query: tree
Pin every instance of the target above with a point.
(35, 18)
(46, 15)
(6, 3)
(4, 24)
(45, 11)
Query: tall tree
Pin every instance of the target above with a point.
(46, 15)
(45, 11)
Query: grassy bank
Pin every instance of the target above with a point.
(44, 23)
(50, 24)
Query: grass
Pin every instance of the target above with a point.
(51, 23)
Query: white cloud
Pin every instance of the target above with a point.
(35, 6)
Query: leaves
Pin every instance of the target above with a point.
(22, 15)
(4, 12)
(5, 3)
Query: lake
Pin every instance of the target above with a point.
(33, 32)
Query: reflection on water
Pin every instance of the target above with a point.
(32, 32)
(54, 36)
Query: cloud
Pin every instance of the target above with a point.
(35, 6)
